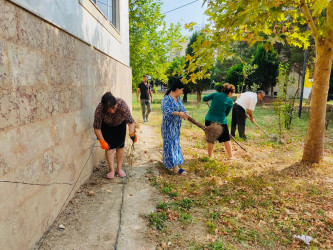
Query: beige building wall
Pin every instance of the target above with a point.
(50, 85)
(294, 84)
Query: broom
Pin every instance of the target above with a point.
(212, 131)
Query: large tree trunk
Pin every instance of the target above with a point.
(314, 140)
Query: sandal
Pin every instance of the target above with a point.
(182, 171)
(110, 175)
(121, 173)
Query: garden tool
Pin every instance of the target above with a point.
(237, 143)
(272, 137)
(212, 132)
(232, 136)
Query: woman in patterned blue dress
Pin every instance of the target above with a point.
(173, 112)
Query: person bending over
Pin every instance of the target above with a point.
(221, 104)
(111, 116)
(244, 104)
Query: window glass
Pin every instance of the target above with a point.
(103, 6)
(110, 10)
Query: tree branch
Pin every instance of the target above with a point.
(309, 18)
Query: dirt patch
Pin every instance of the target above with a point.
(92, 217)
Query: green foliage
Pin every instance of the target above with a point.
(216, 245)
(168, 190)
(239, 51)
(201, 83)
(186, 218)
(219, 72)
(247, 71)
(218, 86)
(246, 21)
(235, 75)
(268, 67)
(211, 226)
(162, 205)
(174, 72)
(274, 22)
(150, 40)
(185, 203)
(283, 105)
(294, 56)
(158, 220)
(268, 196)
(215, 215)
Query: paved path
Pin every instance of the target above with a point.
(92, 221)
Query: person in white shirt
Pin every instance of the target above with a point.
(244, 104)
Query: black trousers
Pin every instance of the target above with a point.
(238, 119)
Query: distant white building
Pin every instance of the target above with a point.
(179, 52)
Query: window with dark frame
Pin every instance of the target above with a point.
(110, 9)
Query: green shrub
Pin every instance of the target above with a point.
(163, 206)
(158, 220)
(235, 75)
(185, 203)
(218, 86)
(216, 245)
(186, 218)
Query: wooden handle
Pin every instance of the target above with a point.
(190, 119)
(258, 126)
(237, 142)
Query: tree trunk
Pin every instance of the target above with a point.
(185, 93)
(199, 95)
(314, 140)
(185, 97)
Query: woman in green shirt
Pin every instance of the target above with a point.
(219, 109)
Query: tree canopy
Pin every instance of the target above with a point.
(268, 64)
(150, 40)
(274, 21)
(202, 83)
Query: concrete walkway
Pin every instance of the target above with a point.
(91, 218)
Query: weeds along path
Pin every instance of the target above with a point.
(91, 218)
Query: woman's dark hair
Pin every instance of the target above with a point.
(108, 101)
(177, 84)
(228, 88)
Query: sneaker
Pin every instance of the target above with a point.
(147, 119)
(121, 173)
(110, 175)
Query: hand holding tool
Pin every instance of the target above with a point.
(133, 137)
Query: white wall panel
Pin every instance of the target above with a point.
(71, 16)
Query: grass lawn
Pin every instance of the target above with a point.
(258, 201)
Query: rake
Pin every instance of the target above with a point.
(272, 137)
